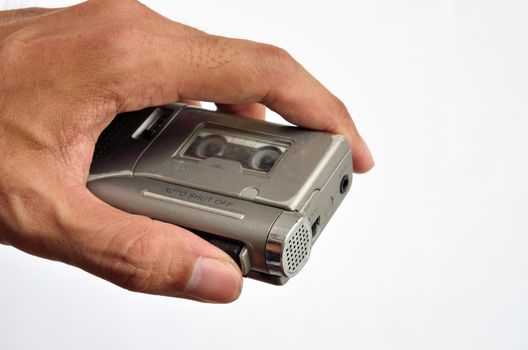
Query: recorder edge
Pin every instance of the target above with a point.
(268, 240)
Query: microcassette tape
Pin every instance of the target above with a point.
(260, 191)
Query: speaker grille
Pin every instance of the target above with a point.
(297, 249)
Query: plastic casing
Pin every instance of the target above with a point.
(266, 214)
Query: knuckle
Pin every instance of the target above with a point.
(340, 108)
(341, 117)
(131, 11)
(144, 262)
(273, 62)
(274, 55)
(339, 112)
(274, 52)
(141, 257)
(106, 5)
(114, 49)
(120, 36)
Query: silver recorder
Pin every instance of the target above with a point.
(261, 192)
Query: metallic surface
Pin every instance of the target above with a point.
(288, 245)
(312, 157)
(269, 216)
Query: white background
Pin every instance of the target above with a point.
(429, 251)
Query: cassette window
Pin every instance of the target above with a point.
(253, 151)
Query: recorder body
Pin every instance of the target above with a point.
(262, 192)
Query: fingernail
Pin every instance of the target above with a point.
(214, 280)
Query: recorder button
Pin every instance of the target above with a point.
(249, 193)
(237, 251)
(245, 262)
(231, 248)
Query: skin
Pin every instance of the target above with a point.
(65, 73)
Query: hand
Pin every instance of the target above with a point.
(65, 73)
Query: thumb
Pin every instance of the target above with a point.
(149, 256)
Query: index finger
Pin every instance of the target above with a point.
(232, 71)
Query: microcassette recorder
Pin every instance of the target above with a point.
(262, 192)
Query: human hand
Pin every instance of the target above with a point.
(65, 73)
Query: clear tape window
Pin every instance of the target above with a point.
(252, 151)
